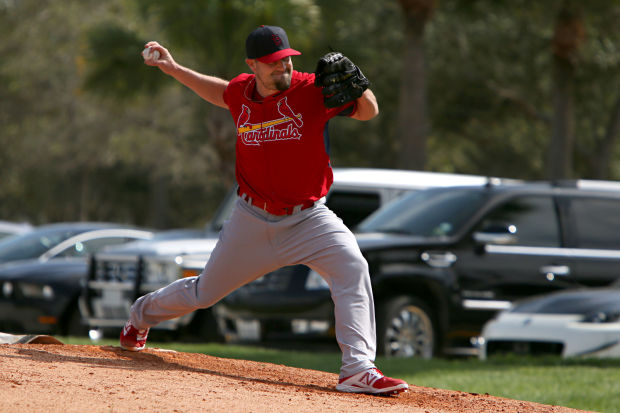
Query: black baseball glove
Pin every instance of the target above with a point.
(341, 80)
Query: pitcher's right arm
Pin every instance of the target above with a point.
(210, 88)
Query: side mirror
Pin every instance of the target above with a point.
(496, 234)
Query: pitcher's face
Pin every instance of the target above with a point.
(272, 77)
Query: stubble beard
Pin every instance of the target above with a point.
(283, 82)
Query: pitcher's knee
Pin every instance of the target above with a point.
(207, 293)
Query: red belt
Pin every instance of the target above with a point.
(274, 210)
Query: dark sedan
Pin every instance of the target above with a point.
(39, 291)
(72, 239)
(42, 297)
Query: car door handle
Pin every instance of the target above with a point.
(438, 259)
(555, 270)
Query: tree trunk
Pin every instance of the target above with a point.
(413, 112)
(562, 134)
(159, 202)
(603, 160)
(567, 37)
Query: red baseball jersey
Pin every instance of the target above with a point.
(282, 142)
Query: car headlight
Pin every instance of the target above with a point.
(7, 288)
(36, 291)
(316, 282)
(603, 317)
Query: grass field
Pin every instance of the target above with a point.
(587, 384)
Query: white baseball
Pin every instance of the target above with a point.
(150, 54)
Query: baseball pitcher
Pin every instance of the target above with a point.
(280, 218)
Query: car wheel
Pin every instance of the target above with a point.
(405, 328)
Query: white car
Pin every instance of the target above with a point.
(571, 323)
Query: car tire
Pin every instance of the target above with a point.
(405, 328)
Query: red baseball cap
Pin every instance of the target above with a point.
(268, 44)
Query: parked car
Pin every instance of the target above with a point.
(120, 276)
(443, 261)
(40, 280)
(13, 228)
(68, 239)
(573, 323)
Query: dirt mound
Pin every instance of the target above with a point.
(70, 378)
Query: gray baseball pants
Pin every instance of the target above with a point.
(254, 242)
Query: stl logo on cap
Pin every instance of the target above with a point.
(268, 44)
(276, 39)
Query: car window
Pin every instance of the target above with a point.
(84, 248)
(597, 222)
(32, 244)
(352, 207)
(532, 220)
(428, 213)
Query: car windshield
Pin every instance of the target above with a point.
(33, 244)
(429, 213)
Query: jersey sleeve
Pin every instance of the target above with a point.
(349, 109)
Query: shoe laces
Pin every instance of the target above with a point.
(142, 334)
(376, 372)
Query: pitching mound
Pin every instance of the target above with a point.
(69, 378)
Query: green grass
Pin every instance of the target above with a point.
(588, 384)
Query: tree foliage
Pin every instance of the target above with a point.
(491, 86)
(88, 132)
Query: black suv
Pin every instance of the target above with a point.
(443, 261)
(118, 276)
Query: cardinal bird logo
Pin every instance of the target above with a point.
(286, 111)
(244, 117)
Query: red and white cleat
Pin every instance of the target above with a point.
(133, 339)
(371, 381)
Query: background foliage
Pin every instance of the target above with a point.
(88, 132)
